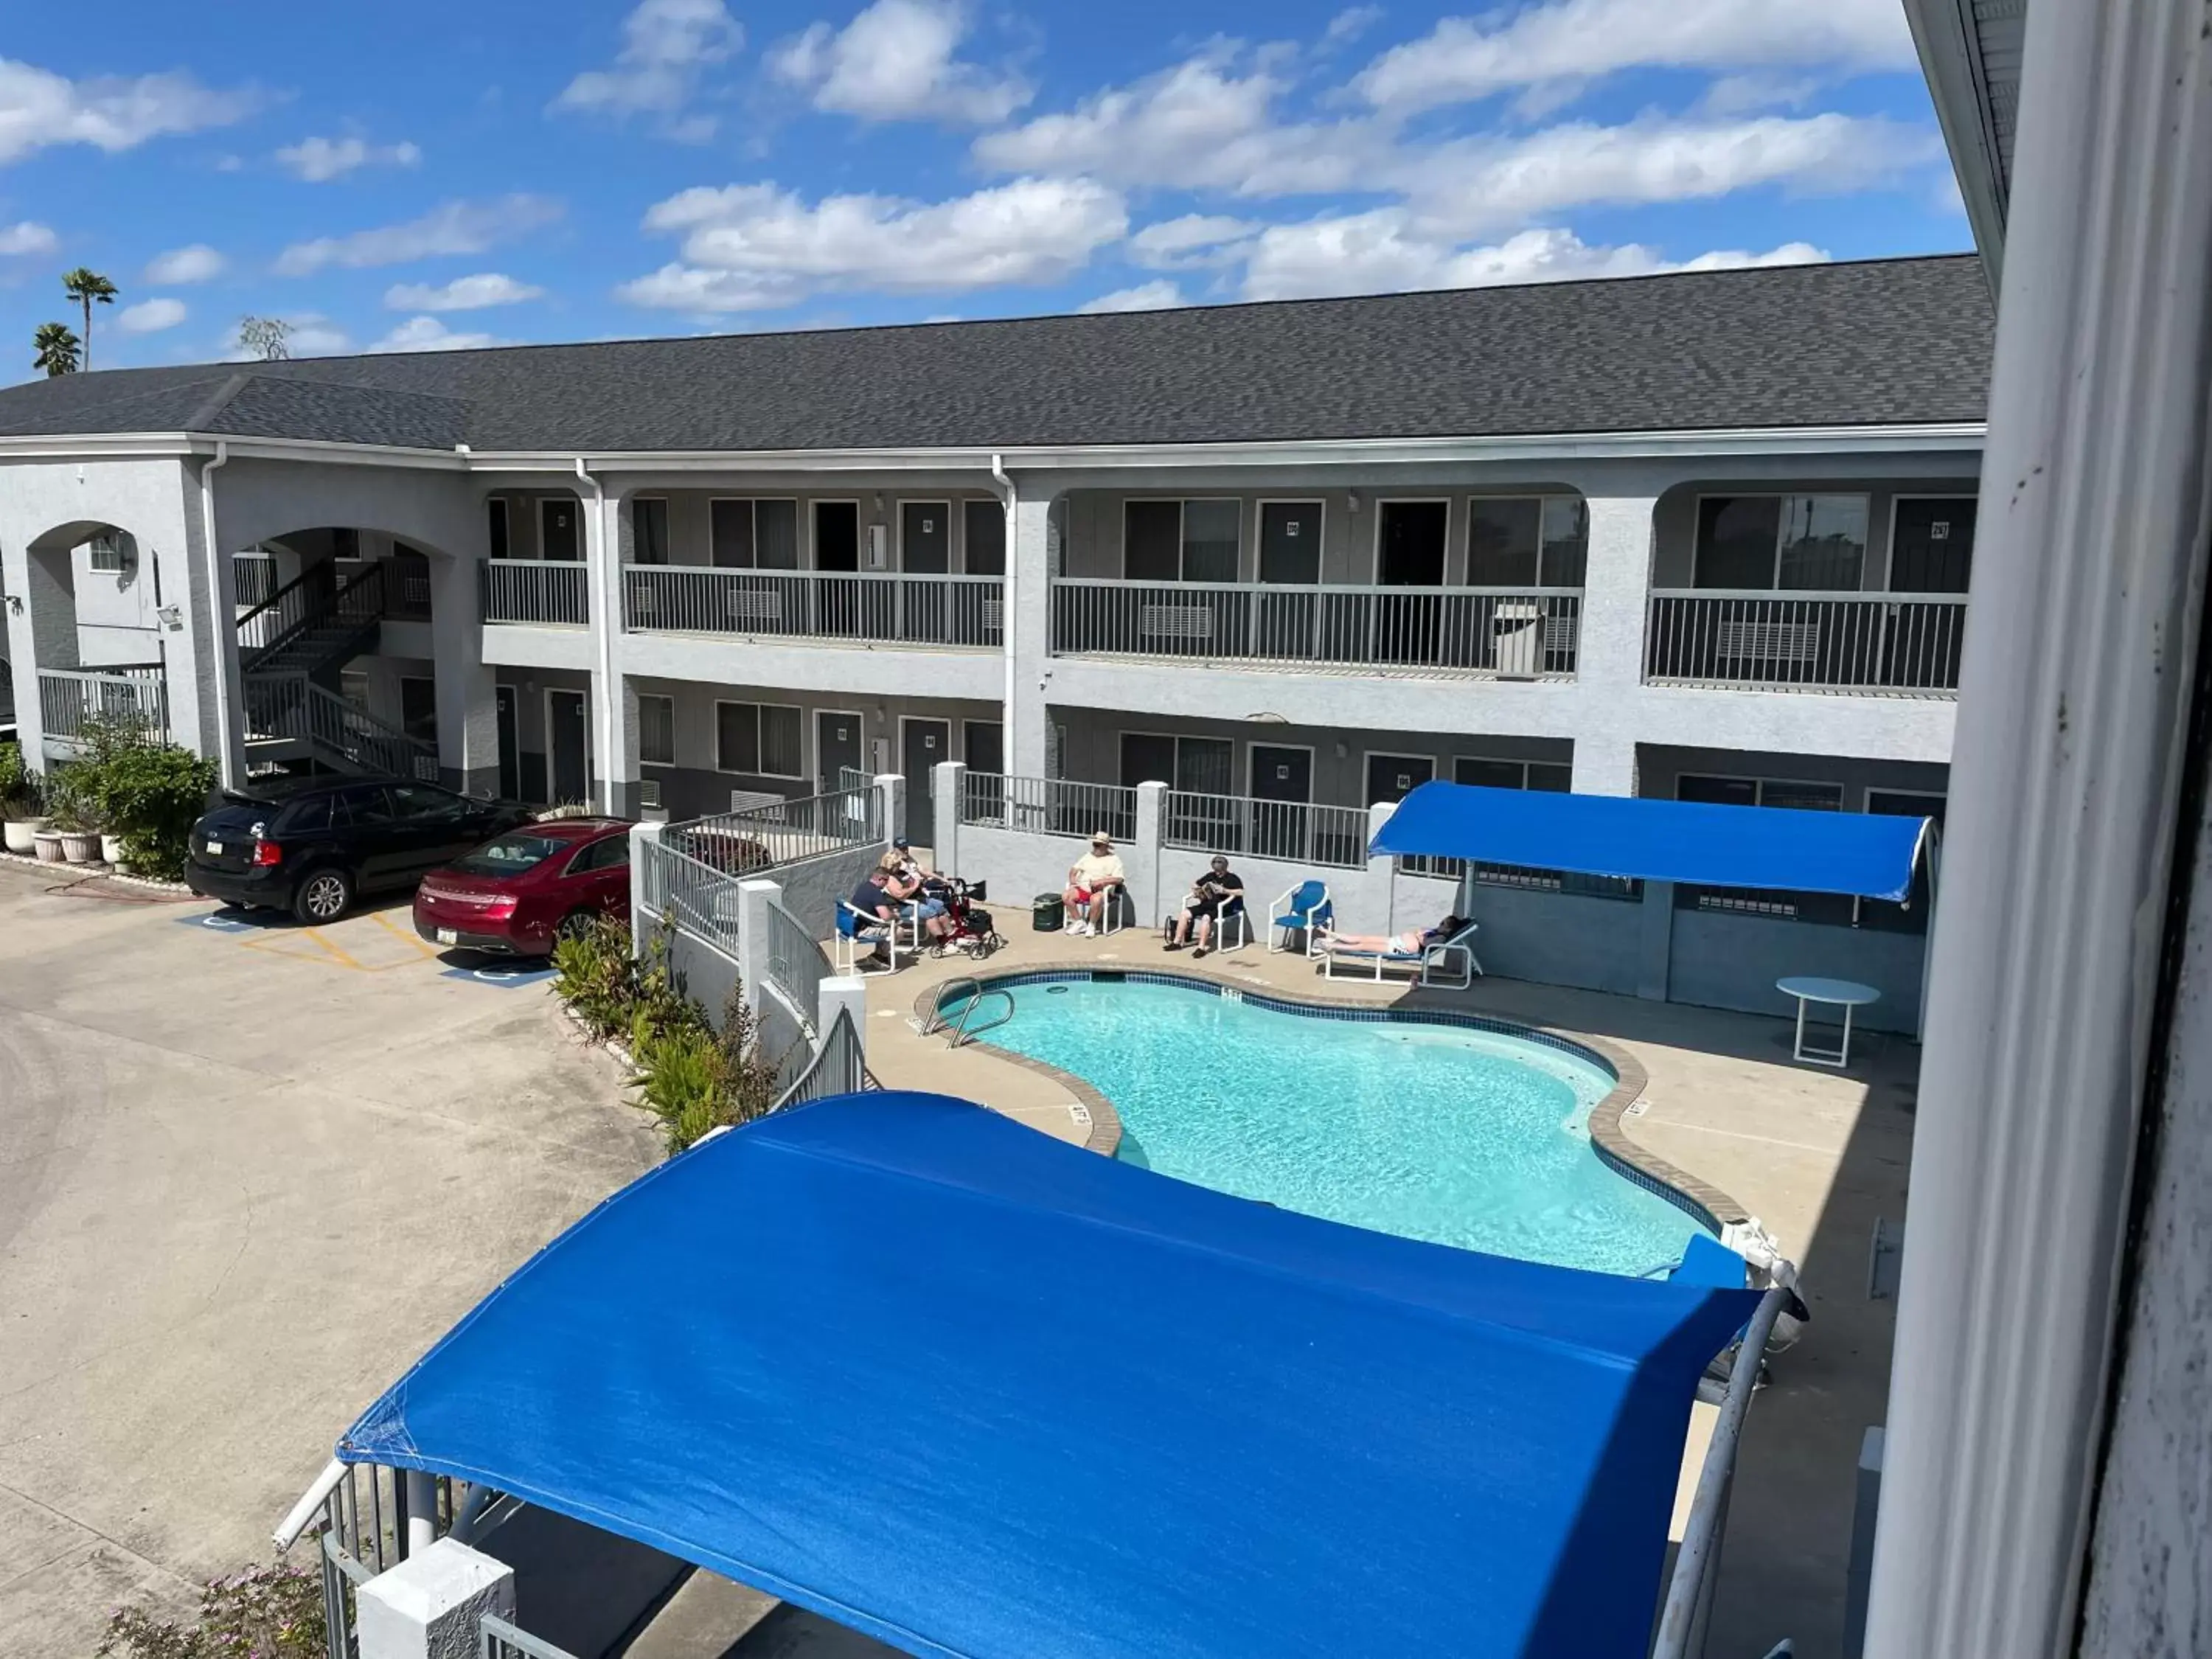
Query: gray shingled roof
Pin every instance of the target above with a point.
(1903, 341)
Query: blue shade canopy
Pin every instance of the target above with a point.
(970, 1390)
(1860, 854)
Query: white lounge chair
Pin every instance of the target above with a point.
(855, 928)
(1432, 964)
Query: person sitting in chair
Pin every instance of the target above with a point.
(1094, 882)
(1217, 889)
(1394, 945)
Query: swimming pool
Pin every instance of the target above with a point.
(1457, 1135)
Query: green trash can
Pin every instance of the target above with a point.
(1047, 913)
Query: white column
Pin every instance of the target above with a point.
(1141, 859)
(1609, 650)
(1030, 529)
(2056, 931)
(643, 918)
(431, 1605)
(613, 709)
(849, 996)
(754, 898)
(468, 710)
(945, 835)
(890, 801)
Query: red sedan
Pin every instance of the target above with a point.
(519, 892)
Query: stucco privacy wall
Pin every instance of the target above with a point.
(57, 504)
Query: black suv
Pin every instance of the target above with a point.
(309, 845)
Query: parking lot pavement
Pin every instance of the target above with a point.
(248, 1171)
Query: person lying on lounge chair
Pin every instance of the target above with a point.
(1394, 945)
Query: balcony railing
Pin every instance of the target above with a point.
(133, 698)
(550, 591)
(1047, 806)
(875, 608)
(1870, 644)
(1531, 633)
(1299, 831)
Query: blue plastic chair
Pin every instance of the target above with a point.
(1303, 909)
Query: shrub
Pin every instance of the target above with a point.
(149, 793)
(694, 1080)
(594, 976)
(18, 788)
(264, 1613)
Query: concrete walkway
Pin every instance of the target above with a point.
(247, 1175)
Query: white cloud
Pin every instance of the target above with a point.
(895, 62)
(1195, 239)
(1570, 42)
(666, 46)
(1486, 183)
(453, 227)
(489, 288)
(1199, 126)
(318, 161)
(314, 335)
(428, 334)
(750, 246)
(26, 236)
(1385, 250)
(40, 108)
(1350, 24)
(150, 316)
(1146, 296)
(195, 263)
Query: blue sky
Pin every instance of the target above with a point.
(408, 174)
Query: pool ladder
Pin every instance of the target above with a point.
(961, 1029)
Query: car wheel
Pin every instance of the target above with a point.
(574, 925)
(323, 897)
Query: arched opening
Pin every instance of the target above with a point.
(94, 605)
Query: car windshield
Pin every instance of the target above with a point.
(510, 855)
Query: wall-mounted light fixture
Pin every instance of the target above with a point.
(15, 604)
(171, 616)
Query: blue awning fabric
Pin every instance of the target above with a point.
(1860, 854)
(970, 1390)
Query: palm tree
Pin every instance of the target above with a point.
(84, 285)
(57, 346)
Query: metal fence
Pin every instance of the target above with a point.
(759, 838)
(1298, 831)
(1049, 806)
(697, 897)
(254, 577)
(288, 704)
(1897, 644)
(1508, 633)
(555, 592)
(839, 1067)
(132, 699)
(889, 607)
(362, 1531)
(796, 963)
(496, 1638)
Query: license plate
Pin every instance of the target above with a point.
(447, 936)
(214, 847)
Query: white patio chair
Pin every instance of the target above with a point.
(856, 927)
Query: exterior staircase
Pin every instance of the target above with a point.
(305, 632)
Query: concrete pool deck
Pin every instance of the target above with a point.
(1815, 1154)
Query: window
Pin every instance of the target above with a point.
(761, 739)
(420, 802)
(353, 686)
(1547, 777)
(1193, 541)
(753, 535)
(345, 543)
(1802, 543)
(656, 731)
(418, 707)
(648, 530)
(1760, 791)
(367, 805)
(984, 534)
(603, 854)
(495, 520)
(106, 551)
(1198, 766)
(1526, 541)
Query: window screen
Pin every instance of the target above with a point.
(656, 731)
(1823, 542)
(1209, 541)
(737, 737)
(775, 532)
(780, 738)
(1566, 542)
(730, 534)
(1503, 537)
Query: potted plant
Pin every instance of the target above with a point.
(73, 793)
(19, 800)
(111, 848)
(47, 844)
(80, 835)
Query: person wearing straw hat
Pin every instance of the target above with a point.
(1092, 882)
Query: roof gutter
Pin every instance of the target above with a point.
(225, 649)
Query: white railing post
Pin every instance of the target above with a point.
(846, 996)
(644, 914)
(431, 1606)
(890, 799)
(949, 782)
(1142, 858)
(754, 944)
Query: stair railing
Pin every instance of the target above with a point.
(314, 596)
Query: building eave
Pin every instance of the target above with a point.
(1953, 56)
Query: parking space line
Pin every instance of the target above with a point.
(330, 953)
(409, 937)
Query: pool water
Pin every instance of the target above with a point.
(1461, 1137)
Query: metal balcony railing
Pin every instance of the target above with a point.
(962, 611)
(1531, 633)
(1048, 807)
(133, 698)
(1870, 644)
(1300, 832)
(553, 593)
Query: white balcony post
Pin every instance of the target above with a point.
(1382, 868)
(754, 898)
(1141, 858)
(846, 996)
(432, 1605)
(890, 799)
(644, 840)
(1028, 612)
(945, 835)
(1609, 645)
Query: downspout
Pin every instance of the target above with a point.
(1010, 496)
(225, 772)
(604, 635)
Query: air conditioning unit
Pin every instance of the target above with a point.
(758, 803)
(649, 793)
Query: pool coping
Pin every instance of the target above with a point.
(1704, 1202)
